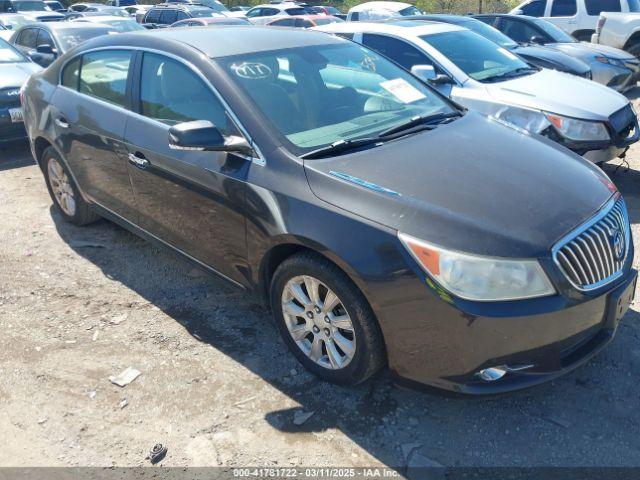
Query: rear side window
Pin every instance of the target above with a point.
(71, 74)
(45, 39)
(104, 75)
(534, 9)
(171, 94)
(595, 7)
(181, 15)
(564, 8)
(153, 16)
(167, 17)
(28, 38)
(295, 11)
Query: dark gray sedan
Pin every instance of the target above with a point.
(381, 223)
(44, 42)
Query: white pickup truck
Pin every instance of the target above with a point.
(620, 30)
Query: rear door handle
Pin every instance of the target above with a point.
(62, 122)
(138, 160)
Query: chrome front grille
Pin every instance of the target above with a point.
(594, 254)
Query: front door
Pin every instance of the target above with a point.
(191, 200)
(90, 129)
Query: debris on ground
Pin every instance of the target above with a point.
(157, 453)
(85, 244)
(118, 319)
(42, 420)
(123, 403)
(95, 335)
(125, 377)
(300, 417)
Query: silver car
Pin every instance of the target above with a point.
(592, 120)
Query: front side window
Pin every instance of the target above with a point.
(45, 39)
(317, 95)
(104, 74)
(28, 38)
(534, 9)
(397, 50)
(477, 56)
(153, 16)
(564, 8)
(171, 93)
(167, 17)
(181, 15)
(555, 33)
(519, 31)
(8, 54)
(254, 12)
(595, 7)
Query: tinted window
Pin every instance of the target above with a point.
(254, 12)
(71, 74)
(171, 93)
(125, 3)
(534, 9)
(104, 75)
(293, 11)
(634, 6)
(519, 31)
(167, 17)
(152, 16)
(552, 33)
(563, 8)
(594, 7)
(489, 32)
(28, 38)
(181, 15)
(397, 50)
(45, 39)
(30, 6)
(285, 22)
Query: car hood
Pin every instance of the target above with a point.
(15, 74)
(561, 60)
(560, 93)
(589, 50)
(474, 185)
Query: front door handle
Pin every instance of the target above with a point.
(62, 122)
(138, 160)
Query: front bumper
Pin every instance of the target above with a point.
(617, 77)
(553, 343)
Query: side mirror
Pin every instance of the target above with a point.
(537, 39)
(424, 72)
(203, 135)
(45, 49)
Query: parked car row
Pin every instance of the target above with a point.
(383, 223)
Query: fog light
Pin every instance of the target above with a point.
(491, 374)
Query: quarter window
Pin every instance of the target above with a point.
(534, 9)
(71, 74)
(595, 7)
(171, 93)
(104, 75)
(564, 8)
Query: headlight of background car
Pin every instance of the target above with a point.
(474, 277)
(610, 61)
(574, 129)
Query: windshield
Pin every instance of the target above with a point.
(476, 56)
(70, 38)
(489, 32)
(407, 12)
(8, 54)
(558, 35)
(29, 6)
(214, 4)
(122, 26)
(318, 95)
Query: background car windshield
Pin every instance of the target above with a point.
(491, 33)
(476, 56)
(16, 21)
(71, 38)
(8, 54)
(407, 12)
(29, 6)
(558, 35)
(315, 96)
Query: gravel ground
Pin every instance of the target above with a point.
(78, 305)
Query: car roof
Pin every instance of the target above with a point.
(185, 6)
(279, 6)
(508, 15)
(60, 26)
(400, 28)
(102, 18)
(443, 17)
(225, 40)
(393, 6)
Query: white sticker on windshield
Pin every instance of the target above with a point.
(402, 90)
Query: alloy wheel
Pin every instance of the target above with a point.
(318, 322)
(61, 187)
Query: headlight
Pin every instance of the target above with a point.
(531, 120)
(474, 277)
(610, 61)
(574, 129)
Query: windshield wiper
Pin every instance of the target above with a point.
(428, 121)
(343, 146)
(518, 72)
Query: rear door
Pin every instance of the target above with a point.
(564, 14)
(90, 111)
(188, 199)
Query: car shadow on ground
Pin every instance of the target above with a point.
(564, 422)
(15, 155)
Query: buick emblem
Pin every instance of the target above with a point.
(252, 70)
(618, 244)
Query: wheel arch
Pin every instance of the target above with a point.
(40, 144)
(583, 34)
(634, 39)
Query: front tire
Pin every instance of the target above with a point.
(326, 321)
(64, 192)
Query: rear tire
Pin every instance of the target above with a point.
(64, 192)
(634, 49)
(336, 334)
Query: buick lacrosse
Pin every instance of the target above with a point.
(383, 224)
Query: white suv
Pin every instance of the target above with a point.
(263, 14)
(576, 17)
